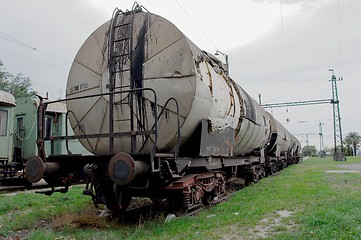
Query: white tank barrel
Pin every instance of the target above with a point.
(164, 59)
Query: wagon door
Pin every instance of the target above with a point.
(6, 134)
(20, 136)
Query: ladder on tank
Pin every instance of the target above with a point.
(120, 64)
(119, 56)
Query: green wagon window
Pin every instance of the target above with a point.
(3, 122)
(48, 122)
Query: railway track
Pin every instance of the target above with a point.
(214, 203)
(22, 188)
(140, 213)
(142, 210)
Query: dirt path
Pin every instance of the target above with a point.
(352, 166)
(347, 168)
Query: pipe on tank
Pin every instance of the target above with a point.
(123, 169)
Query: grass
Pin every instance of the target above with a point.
(23, 211)
(321, 205)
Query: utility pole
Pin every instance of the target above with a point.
(339, 153)
(307, 134)
(322, 146)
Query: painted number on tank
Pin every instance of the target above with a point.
(79, 87)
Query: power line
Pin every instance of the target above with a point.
(298, 91)
(195, 23)
(46, 85)
(339, 151)
(16, 41)
(339, 35)
(31, 59)
(298, 103)
(283, 44)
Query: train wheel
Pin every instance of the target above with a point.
(273, 168)
(104, 191)
(181, 211)
(113, 196)
(262, 171)
(178, 203)
(208, 198)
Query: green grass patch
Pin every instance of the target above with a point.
(321, 205)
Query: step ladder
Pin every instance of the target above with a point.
(120, 65)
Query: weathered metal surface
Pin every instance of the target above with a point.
(123, 168)
(7, 110)
(193, 189)
(207, 181)
(281, 142)
(235, 161)
(209, 163)
(144, 58)
(254, 131)
(162, 58)
(35, 169)
(7, 99)
(218, 143)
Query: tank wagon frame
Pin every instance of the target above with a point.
(194, 167)
(109, 178)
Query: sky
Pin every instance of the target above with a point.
(281, 49)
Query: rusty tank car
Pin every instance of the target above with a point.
(163, 119)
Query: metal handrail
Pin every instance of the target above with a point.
(178, 124)
(67, 137)
(154, 129)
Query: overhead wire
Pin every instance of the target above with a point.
(14, 40)
(285, 60)
(32, 59)
(195, 23)
(283, 45)
(46, 85)
(299, 91)
(21, 43)
(339, 34)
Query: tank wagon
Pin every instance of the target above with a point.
(163, 119)
(18, 123)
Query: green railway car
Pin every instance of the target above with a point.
(7, 111)
(19, 132)
(55, 120)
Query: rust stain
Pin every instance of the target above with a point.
(210, 79)
(232, 107)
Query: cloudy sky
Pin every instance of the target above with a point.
(281, 49)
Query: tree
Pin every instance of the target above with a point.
(353, 142)
(309, 151)
(18, 85)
